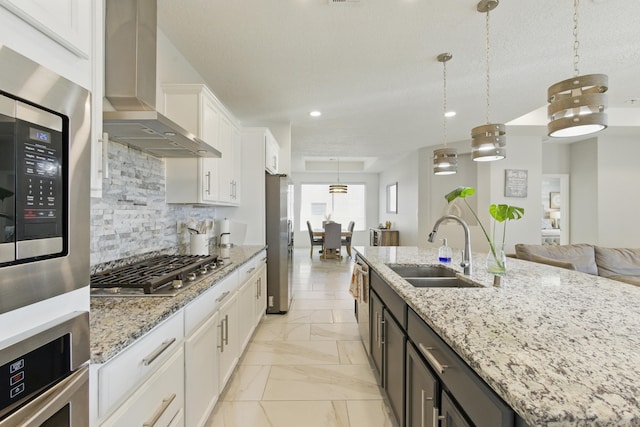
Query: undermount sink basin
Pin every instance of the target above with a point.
(427, 276)
(439, 282)
(421, 271)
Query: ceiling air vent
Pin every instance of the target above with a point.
(342, 1)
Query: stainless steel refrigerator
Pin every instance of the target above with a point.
(279, 290)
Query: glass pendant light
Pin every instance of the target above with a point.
(338, 188)
(576, 105)
(488, 141)
(445, 160)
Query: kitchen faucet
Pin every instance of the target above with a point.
(466, 256)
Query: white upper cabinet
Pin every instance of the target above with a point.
(205, 180)
(67, 22)
(193, 107)
(272, 153)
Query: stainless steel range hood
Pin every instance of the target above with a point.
(130, 85)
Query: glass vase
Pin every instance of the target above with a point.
(496, 260)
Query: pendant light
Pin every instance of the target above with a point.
(338, 188)
(488, 141)
(445, 160)
(576, 105)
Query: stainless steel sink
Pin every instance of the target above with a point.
(427, 276)
(421, 271)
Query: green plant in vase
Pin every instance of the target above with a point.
(496, 259)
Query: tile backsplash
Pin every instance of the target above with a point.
(132, 217)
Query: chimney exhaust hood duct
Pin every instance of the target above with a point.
(130, 85)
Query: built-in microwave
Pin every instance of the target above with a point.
(33, 175)
(45, 161)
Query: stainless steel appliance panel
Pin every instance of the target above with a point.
(7, 179)
(279, 287)
(45, 375)
(25, 283)
(362, 302)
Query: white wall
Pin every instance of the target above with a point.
(618, 203)
(405, 221)
(584, 196)
(360, 238)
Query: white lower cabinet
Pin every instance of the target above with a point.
(228, 346)
(174, 374)
(201, 372)
(158, 402)
(261, 293)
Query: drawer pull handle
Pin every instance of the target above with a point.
(223, 296)
(221, 346)
(249, 271)
(426, 352)
(161, 410)
(157, 352)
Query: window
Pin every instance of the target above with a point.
(316, 204)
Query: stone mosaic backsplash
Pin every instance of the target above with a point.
(132, 217)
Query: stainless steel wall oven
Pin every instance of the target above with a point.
(44, 183)
(44, 375)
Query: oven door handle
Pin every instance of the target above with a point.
(44, 406)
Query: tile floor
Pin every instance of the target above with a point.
(308, 367)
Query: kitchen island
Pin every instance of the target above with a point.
(559, 347)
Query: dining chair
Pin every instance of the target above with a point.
(346, 241)
(315, 241)
(332, 241)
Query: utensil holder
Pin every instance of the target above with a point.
(199, 244)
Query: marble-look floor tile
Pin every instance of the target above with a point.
(248, 383)
(321, 382)
(314, 295)
(344, 316)
(282, 332)
(369, 413)
(291, 353)
(352, 353)
(321, 304)
(335, 331)
(281, 414)
(301, 316)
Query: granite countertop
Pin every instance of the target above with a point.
(562, 348)
(116, 322)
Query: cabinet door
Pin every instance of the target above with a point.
(451, 415)
(261, 293)
(201, 372)
(209, 174)
(421, 391)
(227, 342)
(394, 345)
(376, 330)
(225, 163)
(236, 141)
(210, 122)
(246, 311)
(158, 402)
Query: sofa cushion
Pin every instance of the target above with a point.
(617, 262)
(580, 256)
(549, 261)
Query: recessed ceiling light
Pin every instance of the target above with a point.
(315, 113)
(450, 114)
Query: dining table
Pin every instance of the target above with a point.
(343, 233)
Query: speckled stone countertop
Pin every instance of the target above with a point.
(562, 348)
(116, 322)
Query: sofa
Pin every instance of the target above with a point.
(622, 264)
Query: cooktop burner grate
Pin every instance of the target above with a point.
(154, 273)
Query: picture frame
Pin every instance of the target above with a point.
(554, 200)
(392, 198)
(516, 182)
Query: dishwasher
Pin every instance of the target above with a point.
(361, 277)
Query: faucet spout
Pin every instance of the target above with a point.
(466, 256)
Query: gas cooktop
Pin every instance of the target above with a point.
(163, 275)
